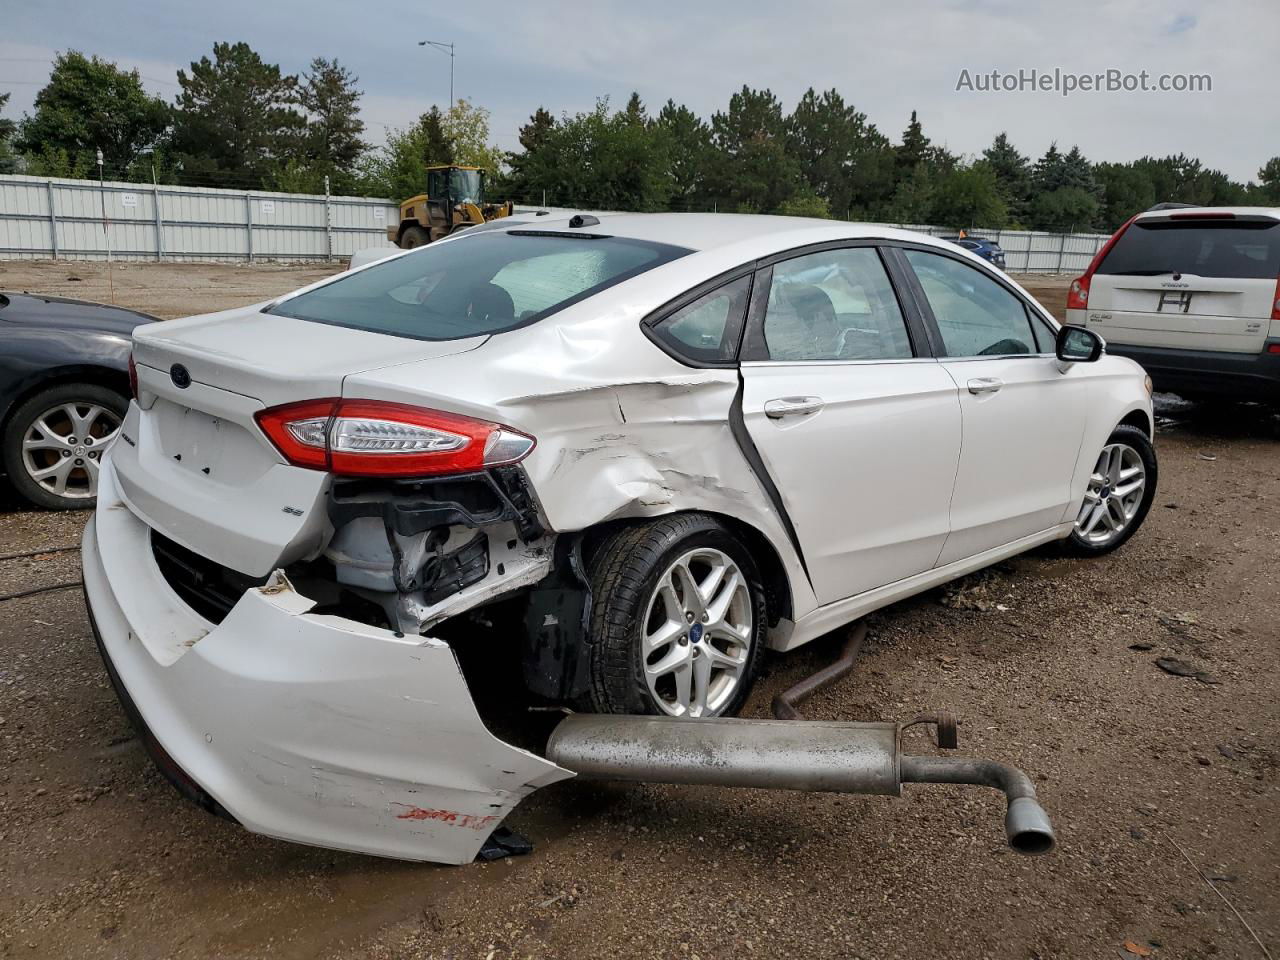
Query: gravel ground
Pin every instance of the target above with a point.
(1047, 660)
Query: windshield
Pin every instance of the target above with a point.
(477, 284)
(464, 186)
(1228, 249)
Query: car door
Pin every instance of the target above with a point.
(858, 427)
(1023, 419)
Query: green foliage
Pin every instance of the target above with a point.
(751, 169)
(466, 129)
(331, 144)
(89, 105)
(8, 158)
(399, 168)
(912, 200)
(843, 159)
(1012, 171)
(1064, 210)
(689, 144)
(1268, 186)
(805, 203)
(969, 197)
(235, 123)
(601, 159)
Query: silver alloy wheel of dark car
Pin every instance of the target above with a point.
(62, 448)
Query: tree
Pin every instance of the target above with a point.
(532, 136)
(466, 128)
(1125, 191)
(969, 197)
(8, 159)
(912, 200)
(1269, 181)
(752, 170)
(914, 149)
(1012, 171)
(332, 144)
(399, 169)
(845, 160)
(235, 121)
(689, 145)
(1065, 210)
(89, 105)
(601, 159)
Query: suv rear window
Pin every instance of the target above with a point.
(1230, 249)
(477, 285)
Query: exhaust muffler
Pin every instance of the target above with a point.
(808, 755)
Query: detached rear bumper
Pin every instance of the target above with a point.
(305, 727)
(1248, 376)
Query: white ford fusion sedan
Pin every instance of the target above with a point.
(647, 447)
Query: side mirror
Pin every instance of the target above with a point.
(1078, 345)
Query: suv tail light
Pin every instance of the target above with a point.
(374, 438)
(1078, 294)
(1275, 302)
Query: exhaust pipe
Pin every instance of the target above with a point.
(809, 755)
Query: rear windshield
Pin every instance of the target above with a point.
(1231, 249)
(476, 285)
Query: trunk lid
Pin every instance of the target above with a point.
(193, 462)
(1191, 282)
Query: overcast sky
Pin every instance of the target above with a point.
(886, 58)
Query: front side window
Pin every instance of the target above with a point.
(834, 305)
(476, 285)
(707, 329)
(976, 316)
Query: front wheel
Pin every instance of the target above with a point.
(414, 237)
(678, 620)
(1119, 495)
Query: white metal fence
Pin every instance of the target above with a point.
(42, 218)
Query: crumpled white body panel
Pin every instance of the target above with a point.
(305, 727)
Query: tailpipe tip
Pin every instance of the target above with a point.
(1028, 828)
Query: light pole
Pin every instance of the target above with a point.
(443, 48)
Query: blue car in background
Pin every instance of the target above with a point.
(988, 250)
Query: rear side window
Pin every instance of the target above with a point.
(707, 329)
(834, 305)
(1229, 249)
(976, 316)
(476, 285)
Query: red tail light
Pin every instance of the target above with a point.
(373, 438)
(1275, 302)
(1078, 294)
(133, 376)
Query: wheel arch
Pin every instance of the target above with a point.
(773, 572)
(100, 376)
(1138, 418)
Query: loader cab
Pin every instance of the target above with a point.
(449, 188)
(454, 200)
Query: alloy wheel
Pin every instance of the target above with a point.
(1114, 495)
(697, 635)
(62, 448)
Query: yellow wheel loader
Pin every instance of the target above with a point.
(454, 201)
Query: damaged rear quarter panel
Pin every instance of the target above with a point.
(623, 430)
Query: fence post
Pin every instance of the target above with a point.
(248, 222)
(1062, 246)
(53, 220)
(155, 200)
(328, 222)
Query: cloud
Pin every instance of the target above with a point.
(886, 59)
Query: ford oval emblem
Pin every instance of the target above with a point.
(180, 375)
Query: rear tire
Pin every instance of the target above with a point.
(54, 442)
(677, 620)
(414, 237)
(1113, 509)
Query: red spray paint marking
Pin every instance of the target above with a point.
(446, 816)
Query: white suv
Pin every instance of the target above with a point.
(1192, 294)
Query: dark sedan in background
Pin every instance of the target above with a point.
(988, 250)
(64, 389)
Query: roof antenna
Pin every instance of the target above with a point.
(583, 220)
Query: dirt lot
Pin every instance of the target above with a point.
(1048, 661)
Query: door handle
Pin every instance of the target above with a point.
(985, 385)
(792, 407)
